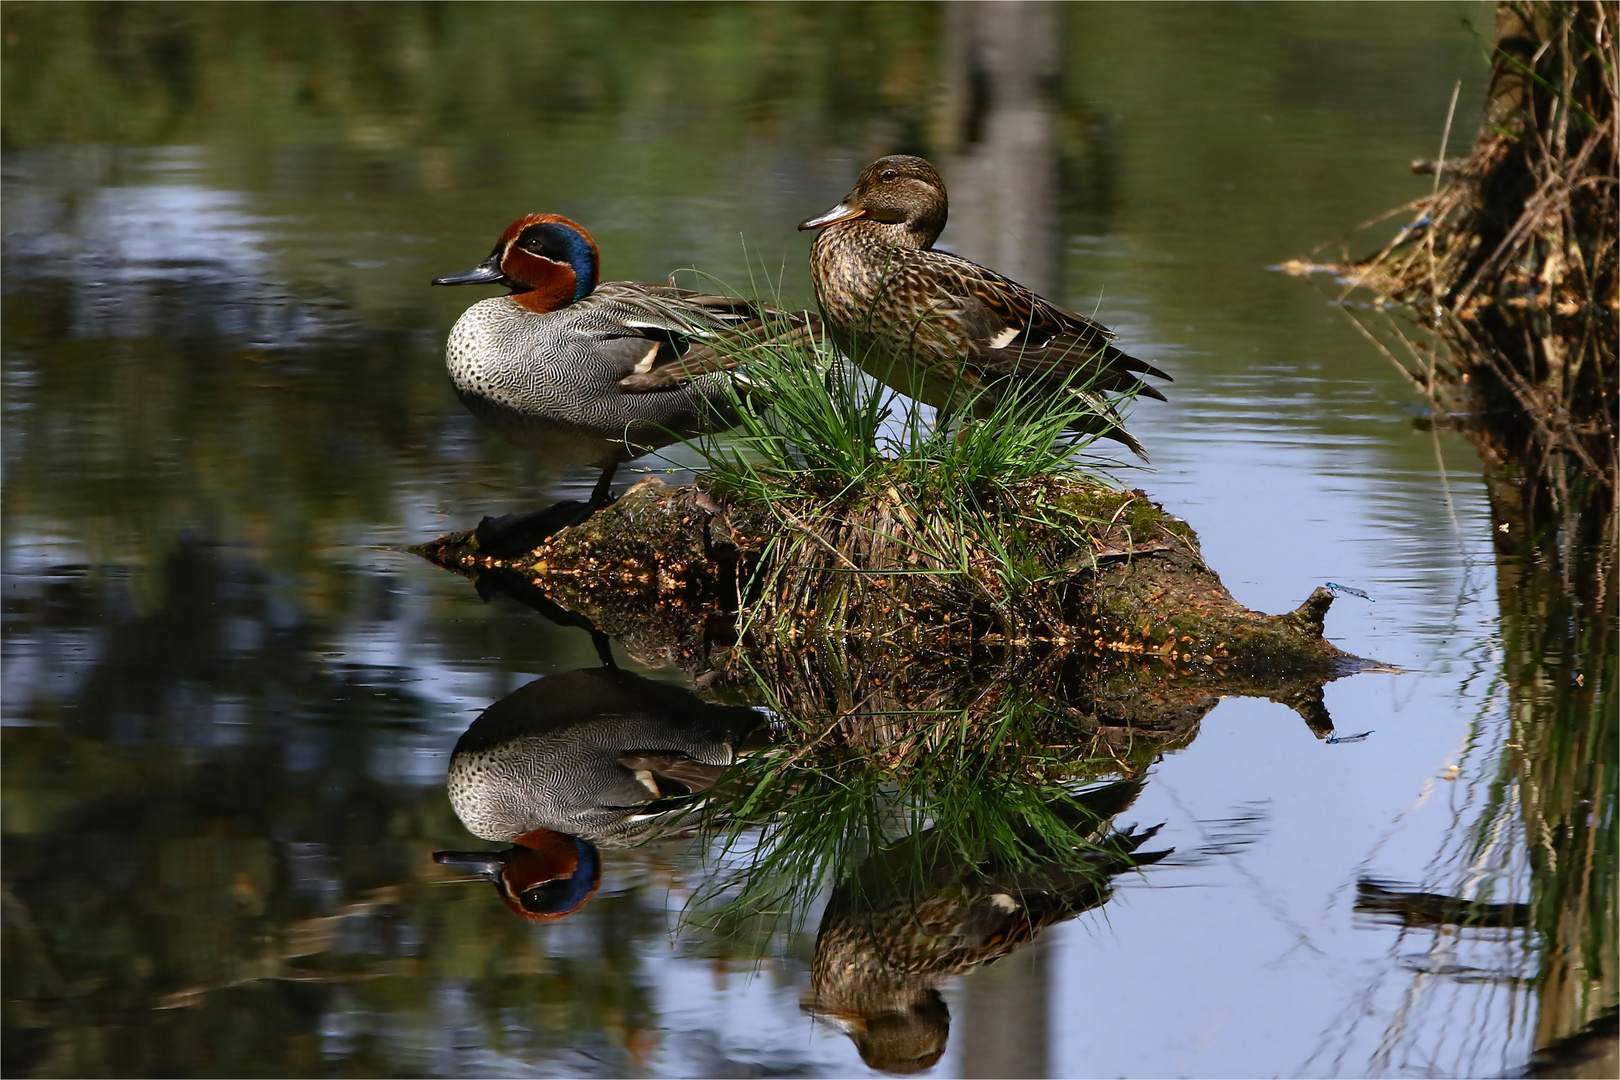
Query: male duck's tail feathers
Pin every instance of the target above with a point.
(700, 347)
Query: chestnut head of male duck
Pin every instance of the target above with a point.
(945, 330)
(545, 875)
(545, 260)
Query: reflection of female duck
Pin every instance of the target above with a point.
(574, 760)
(919, 913)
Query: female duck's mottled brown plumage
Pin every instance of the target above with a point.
(940, 328)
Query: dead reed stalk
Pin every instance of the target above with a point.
(1511, 259)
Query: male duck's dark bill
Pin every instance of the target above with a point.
(841, 212)
(487, 272)
(487, 864)
(544, 875)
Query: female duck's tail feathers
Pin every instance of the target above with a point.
(1119, 434)
(1105, 421)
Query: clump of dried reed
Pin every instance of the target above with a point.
(1511, 258)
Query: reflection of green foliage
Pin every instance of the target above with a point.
(467, 75)
(389, 144)
(997, 785)
(445, 122)
(253, 885)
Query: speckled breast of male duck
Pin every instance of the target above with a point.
(544, 381)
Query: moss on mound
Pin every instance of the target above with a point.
(1052, 561)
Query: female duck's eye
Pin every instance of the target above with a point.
(890, 174)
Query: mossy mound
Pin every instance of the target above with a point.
(674, 574)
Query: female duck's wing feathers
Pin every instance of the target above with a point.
(1016, 332)
(671, 336)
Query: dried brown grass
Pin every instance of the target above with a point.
(1511, 258)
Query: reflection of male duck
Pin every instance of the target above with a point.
(574, 760)
(920, 912)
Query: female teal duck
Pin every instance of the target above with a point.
(943, 330)
(597, 374)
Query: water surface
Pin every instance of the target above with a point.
(231, 696)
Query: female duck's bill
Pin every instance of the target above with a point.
(545, 875)
(545, 260)
(896, 190)
(842, 212)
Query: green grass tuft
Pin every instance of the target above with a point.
(850, 467)
(814, 426)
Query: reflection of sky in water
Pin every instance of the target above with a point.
(163, 254)
(1279, 514)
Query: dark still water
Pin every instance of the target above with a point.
(231, 695)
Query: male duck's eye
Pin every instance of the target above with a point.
(546, 896)
(890, 174)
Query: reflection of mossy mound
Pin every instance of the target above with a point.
(912, 691)
(674, 574)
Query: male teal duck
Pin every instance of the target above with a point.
(941, 329)
(597, 373)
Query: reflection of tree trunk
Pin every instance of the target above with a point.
(1001, 65)
(1558, 636)
(1003, 1024)
(1555, 521)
